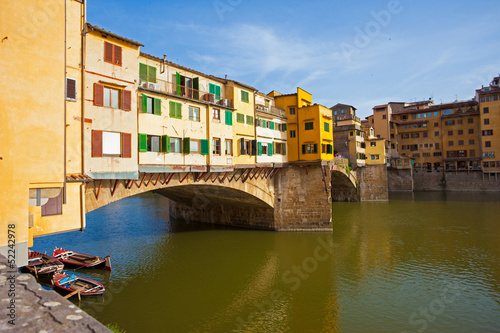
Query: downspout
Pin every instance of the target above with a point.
(82, 96)
(65, 103)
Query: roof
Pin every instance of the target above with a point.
(91, 28)
(380, 106)
(493, 89)
(437, 107)
(340, 105)
(243, 85)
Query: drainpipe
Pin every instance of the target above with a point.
(82, 96)
(65, 103)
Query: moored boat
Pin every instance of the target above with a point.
(70, 283)
(78, 260)
(41, 264)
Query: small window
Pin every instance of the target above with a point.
(194, 146)
(194, 113)
(153, 142)
(70, 89)
(450, 143)
(229, 147)
(112, 54)
(460, 132)
(244, 96)
(486, 121)
(175, 145)
(460, 142)
(216, 146)
(292, 133)
(436, 124)
(487, 144)
(436, 133)
(472, 142)
(373, 144)
(216, 114)
(249, 120)
(327, 127)
(450, 133)
(309, 126)
(240, 118)
(292, 111)
(447, 112)
(470, 120)
(471, 131)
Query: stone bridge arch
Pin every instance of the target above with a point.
(344, 185)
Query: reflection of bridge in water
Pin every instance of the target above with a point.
(296, 197)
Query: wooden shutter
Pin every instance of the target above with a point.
(272, 125)
(165, 144)
(242, 147)
(172, 109)
(178, 81)
(144, 103)
(205, 147)
(108, 52)
(70, 89)
(270, 149)
(126, 145)
(283, 127)
(254, 148)
(260, 149)
(186, 145)
(283, 148)
(117, 55)
(127, 100)
(157, 106)
(98, 94)
(303, 149)
(152, 74)
(196, 88)
(143, 72)
(217, 92)
(143, 142)
(96, 143)
(178, 110)
(315, 148)
(53, 206)
(229, 118)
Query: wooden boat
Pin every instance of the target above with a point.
(78, 260)
(71, 283)
(41, 264)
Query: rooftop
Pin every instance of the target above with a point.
(91, 28)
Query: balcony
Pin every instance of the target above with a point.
(175, 89)
(270, 109)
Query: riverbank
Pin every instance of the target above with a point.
(27, 307)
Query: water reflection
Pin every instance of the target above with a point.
(426, 259)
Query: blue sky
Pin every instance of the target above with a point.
(357, 52)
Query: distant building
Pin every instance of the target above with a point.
(348, 134)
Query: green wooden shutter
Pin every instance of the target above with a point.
(143, 72)
(144, 103)
(217, 93)
(283, 148)
(260, 149)
(303, 149)
(205, 147)
(178, 81)
(178, 110)
(283, 127)
(270, 149)
(211, 88)
(315, 148)
(229, 118)
(172, 109)
(272, 125)
(152, 74)
(165, 144)
(143, 142)
(186, 145)
(242, 147)
(196, 88)
(157, 106)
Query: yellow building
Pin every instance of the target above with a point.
(310, 134)
(489, 106)
(41, 61)
(375, 151)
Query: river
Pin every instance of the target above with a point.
(423, 262)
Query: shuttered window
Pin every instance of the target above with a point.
(186, 145)
(214, 89)
(240, 118)
(70, 89)
(272, 125)
(53, 206)
(270, 149)
(147, 73)
(244, 96)
(165, 144)
(111, 97)
(205, 147)
(259, 150)
(112, 53)
(283, 127)
(127, 100)
(126, 145)
(249, 120)
(98, 94)
(229, 118)
(175, 110)
(96, 143)
(143, 142)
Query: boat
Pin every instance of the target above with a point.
(79, 260)
(41, 264)
(71, 283)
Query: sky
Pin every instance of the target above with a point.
(358, 52)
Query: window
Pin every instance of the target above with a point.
(153, 143)
(470, 120)
(471, 131)
(175, 110)
(175, 145)
(309, 126)
(110, 97)
(216, 114)
(151, 105)
(240, 118)
(426, 154)
(419, 115)
(486, 110)
(111, 144)
(249, 120)
(460, 132)
(486, 121)
(460, 142)
(481, 99)
(415, 135)
(450, 143)
(216, 146)
(384, 116)
(310, 149)
(375, 157)
(244, 96)
(405, 136)
(425, 134)
(229, 147)
(70, 89)
(215, 90)
(112, 54)
(460, 122)
(449, 122)
(471, 141)
(292, 133)
(327, 127)
(448, 111)
(327, 149)
(436, 124)
(147, 73)
(495, 97)
(373, 144)
(437, 145)
(229, 118)
(488, 98)
(438, 153)
(487, 144)
(194, 113)
(335, 113)
(404, 117)
(263, 148)
(292, 111)
(194, 146)
(450, 133)
(487, 132)
(413, 116)
(53, 206)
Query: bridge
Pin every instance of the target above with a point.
(296, 197)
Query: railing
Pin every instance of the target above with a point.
(183, 91)
(270, 109)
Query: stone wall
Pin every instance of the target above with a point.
(455, 181)
(373, 183)
(400, 179)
